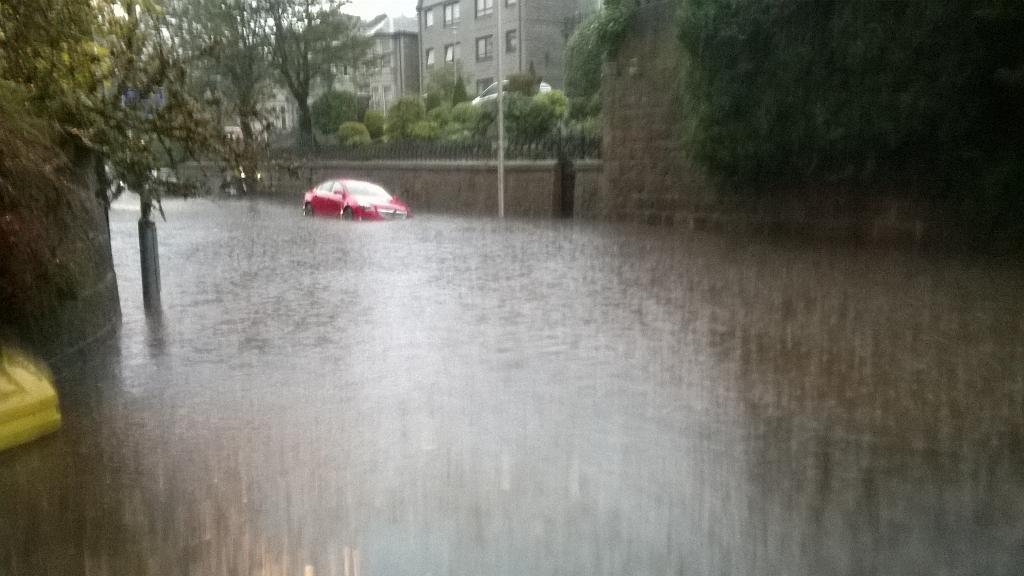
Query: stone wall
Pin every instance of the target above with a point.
(647, 177)
(66, 297)
(532, 189)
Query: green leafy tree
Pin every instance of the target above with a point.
(354, 134)
(107, 75)
(308, 37)
(445, 85)
(875, 94)
(227, 44)
(332, 109)
(584, 59)
(403, 115)
(374, 122)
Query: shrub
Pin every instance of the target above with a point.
(533, 118)
(374, 122)
(441, 115)
(584, 107)
(466, 122)
(354, 134)
(460, 95)
(555, 100)
(525, 83)
(433, 100)
(466, 114)
(424, 130)
(404, 114)
(332, 109)
(590, 127)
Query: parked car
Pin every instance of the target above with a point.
(353, 200)
(491, 93)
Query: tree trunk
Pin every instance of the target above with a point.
(250, 148)
(305, 125)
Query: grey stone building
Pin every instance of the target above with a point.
(463, 34)
(393, 68)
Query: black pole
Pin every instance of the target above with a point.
(150, 261)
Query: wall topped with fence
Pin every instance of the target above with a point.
(570, 146)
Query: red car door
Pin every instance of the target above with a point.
(337, 197)
(321, 199)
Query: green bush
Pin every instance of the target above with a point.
(524, 83)
(465, 122)
(536, 117)
(403, 115)
(584, 107)
(332, 109)
(555, 100)
(433, 100)
(441, 115)
(354, 134)
(425, 130)
(590, 127)
(374, 122)
(876, 94)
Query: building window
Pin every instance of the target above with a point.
(511, 41)
(428, 17)
(452, 13)
(449, 54)
(484, 7)
(385, 61)
(344, 70)
(430, 56)
(483, 84)
(484, 48)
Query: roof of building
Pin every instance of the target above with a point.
(384, 24)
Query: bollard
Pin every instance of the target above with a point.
(150, 260)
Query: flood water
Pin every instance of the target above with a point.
(451, 396)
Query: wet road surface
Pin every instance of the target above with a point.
(469, 397)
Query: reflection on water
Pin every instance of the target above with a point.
(452, 396)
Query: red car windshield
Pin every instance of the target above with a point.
(367, 191)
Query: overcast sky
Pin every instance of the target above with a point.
(371, 8)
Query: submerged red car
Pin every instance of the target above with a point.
(353, 200)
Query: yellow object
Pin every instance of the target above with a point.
(28, 402)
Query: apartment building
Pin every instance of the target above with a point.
(392, 70)
(463, 34)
